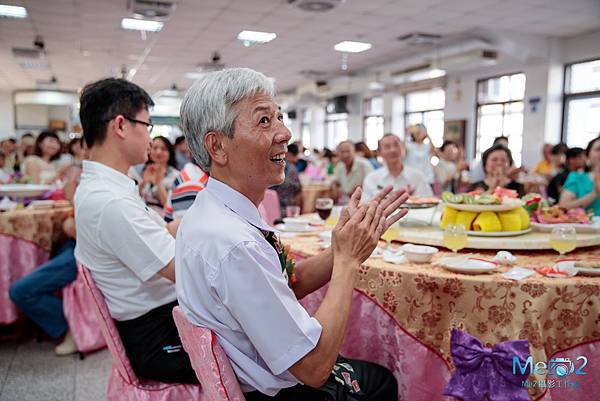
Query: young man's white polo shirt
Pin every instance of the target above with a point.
(229, 279)
(122, 241)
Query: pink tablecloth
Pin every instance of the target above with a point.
(17, 259)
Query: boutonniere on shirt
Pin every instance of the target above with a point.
(288, 264)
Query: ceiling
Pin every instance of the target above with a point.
(84, 41)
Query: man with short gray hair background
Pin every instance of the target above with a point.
(231, 276)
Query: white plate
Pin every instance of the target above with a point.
(309, 229)
(580, 228)
(41, 204)
(469, 265)
(24, 190)
(498, 233)
(570, 263)
(513, 204)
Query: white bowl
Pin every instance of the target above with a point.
(418, 253)
(296, 223)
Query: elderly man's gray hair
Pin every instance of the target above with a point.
(207, 106)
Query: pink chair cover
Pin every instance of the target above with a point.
(78, 306)
(208, 360)
(271, 206)
(17, 259)
(123, 384)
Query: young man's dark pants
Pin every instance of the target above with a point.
(375, 382)
(154, 349)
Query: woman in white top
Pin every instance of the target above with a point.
(158, 175)
(41, 167)
(418, 153)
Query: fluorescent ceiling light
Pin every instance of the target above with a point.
(194, 75)
(12, 11)
(352, 47)
(141, 24)
(250, 37)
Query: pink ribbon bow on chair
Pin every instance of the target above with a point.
(482, 371)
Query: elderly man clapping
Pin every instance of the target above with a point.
(230, 274)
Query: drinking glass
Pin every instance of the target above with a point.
(391, 234)
(563, 239)
(323, 207)
(455, 237)
(292, 211)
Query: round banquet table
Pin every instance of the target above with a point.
(402, 316)
(26, 238)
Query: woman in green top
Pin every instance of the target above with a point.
(582, 189)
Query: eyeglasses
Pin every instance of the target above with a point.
(149, 126)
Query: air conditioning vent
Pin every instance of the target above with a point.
(315, 6)
(420, 39)
(153, 9)
(23, 52)
(30, 59)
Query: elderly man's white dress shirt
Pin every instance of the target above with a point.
(409, 176)
(229, 279)
(122, 241)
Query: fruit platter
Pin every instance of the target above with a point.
(501, 200)
(545, 217)
(494, 215)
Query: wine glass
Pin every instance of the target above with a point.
(563, 239)
(455, 237)
(391, 234)
(292, 211)
(323, 207)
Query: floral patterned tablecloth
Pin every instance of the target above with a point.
(42, 227)
(427, 301)
(26, 238)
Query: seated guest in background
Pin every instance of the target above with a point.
(290, 191)
(576, 161)
(26, 146)
(41, 167)
(35, 294)
(182, 153)
(158, 175)
(394, 172)
(301, 162)
(9, 148)
(127, 246)
(451, 164)
(362, 150)
(233, 281)
(419, 152)
(582, 189)
(189, 182)
(349, 173)
(545, 167)
(496, 162)
(5, 175)
(477, 173)
(330, 160)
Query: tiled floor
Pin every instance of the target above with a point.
(31, 372)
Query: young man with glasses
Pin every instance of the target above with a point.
(127, 246)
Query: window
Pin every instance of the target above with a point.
(305, 128)
(581, 103)
(336, 129)
(427, 108)
(500, 113)
(373, 121)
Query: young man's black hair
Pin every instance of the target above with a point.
(103, 100)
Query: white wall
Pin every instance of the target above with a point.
(7, 122)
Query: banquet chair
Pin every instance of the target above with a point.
(208, 360)
(123, 384)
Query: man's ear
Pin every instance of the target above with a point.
(116, 125)
(215, 144)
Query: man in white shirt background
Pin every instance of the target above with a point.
(349, 173)
(395, 172)
(231, 276)
(128, 248)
